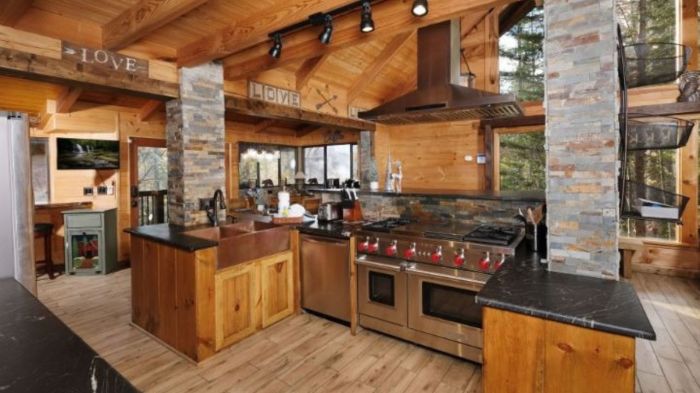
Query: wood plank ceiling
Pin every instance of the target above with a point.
(371, 67)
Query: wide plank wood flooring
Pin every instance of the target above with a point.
(305, 353)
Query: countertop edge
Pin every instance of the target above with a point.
(575, 321)
(190, 248)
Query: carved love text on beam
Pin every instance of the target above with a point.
(100, 59)
(273, 94)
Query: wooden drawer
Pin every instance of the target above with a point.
(84, 221)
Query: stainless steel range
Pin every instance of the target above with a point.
(418, 281)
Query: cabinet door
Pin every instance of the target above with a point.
(277, 288)
(236, 297)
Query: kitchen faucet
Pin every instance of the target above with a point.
(213, 210)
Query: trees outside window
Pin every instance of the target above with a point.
(331, 162)
(522, 58)
(522, 161)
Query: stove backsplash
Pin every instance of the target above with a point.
(437, 209)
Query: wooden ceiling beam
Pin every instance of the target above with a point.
(142, 19)
(252, 31)
(149, 109)
(306, 130)
(279, 112)
(375, 68)
(390, 17)
(12, 10)
(512, 14)
(67, 99)
(263, 125)
(308, 69)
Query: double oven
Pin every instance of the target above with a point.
(431, 305)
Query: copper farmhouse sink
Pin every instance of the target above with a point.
(245, 241)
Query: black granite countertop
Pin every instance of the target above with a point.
(527, 287)
(533, 196)
(41, 354)
(334, 229)
(173, 235)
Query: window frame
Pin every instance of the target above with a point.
(273, 146)
(325, 159)
(496, 174)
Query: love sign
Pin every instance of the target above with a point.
(106, 60)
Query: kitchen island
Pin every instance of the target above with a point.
(200, 289)
(547, 331)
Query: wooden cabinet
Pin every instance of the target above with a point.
(277, 288)
(524, 354)
(252, 296)
(236, 299)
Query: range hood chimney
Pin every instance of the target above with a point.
(439, 96)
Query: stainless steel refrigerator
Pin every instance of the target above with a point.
(16, 201)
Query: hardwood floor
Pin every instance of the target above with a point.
(309, 354)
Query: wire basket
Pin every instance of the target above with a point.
(657, 132)
(654, 63)
(650, 203)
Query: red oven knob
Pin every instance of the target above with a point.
(459, 258)
(410, 253)
(500, 261)
(485, 263)
(391, 250)
(363, 246)
(436, 256)
(373, 247)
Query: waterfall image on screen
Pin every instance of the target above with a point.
(87, 154)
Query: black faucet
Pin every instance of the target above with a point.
(213, 209)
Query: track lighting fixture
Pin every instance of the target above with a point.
(327, 33)
(366, 22)
(420, 7)
(276, 49)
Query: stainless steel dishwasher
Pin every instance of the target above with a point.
(325, 276)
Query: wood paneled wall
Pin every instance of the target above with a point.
(432, 155)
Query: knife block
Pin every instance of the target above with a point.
(353, 212)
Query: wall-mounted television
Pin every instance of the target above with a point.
(87, 154)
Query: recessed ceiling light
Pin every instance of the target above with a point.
(420, 8)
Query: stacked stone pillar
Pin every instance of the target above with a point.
(196, 143)
(582, 132)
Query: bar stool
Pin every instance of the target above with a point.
(45, 231)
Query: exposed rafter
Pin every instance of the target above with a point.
(12, 10)
(375, 68)
(306, 130)
(513, 14)
(143, 18)
(308, 69)
(67, 99)
(251, 31)
(263, 125)
(149, 109)
(391, 18)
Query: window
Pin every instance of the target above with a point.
(331, 162)
(647, 20)
(522, 58)
(522, 161)
(39, 151)
(265, 165)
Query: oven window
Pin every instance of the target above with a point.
(381, 288)
(452, 304)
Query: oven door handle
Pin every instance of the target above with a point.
(397, 267)
(478, 284)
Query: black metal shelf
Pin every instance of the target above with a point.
(657, 132)
(632, 216)
(654, 63)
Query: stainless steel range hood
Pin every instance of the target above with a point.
(439, 96)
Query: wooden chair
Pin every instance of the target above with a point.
(45, 231)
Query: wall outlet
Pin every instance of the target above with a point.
(88, 191)
(481, 159)
(101, 190)
(468, 158)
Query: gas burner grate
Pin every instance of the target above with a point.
(490, 234)
(386, 225)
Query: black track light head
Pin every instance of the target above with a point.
(276, 49)
(420, 7)
(366, 22)
(327, 33)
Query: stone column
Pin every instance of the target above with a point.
(581, 93)
(195, 140)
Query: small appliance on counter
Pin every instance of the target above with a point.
(329, 211)
(333, 183)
